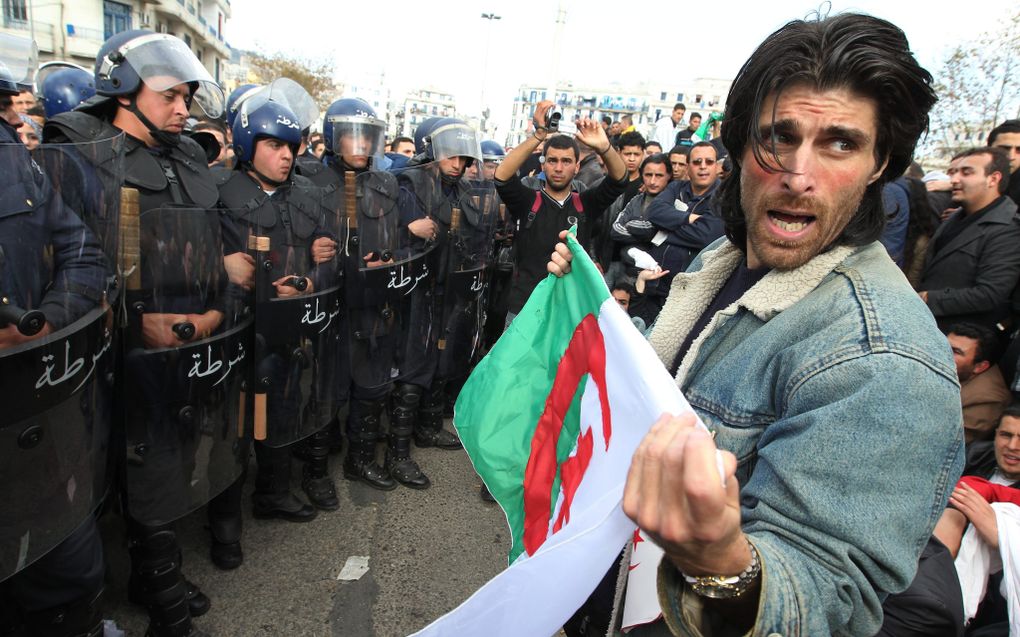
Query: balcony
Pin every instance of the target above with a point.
(186, 13)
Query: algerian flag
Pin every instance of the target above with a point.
(551, 418)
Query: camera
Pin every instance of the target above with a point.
(554, 121)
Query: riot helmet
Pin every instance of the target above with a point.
(451, 137)
(63, 87)
(492, 151)
(260, 118)
(19, 58)
(234, 101)
(351, 128)
(421, 134)
(289, 93)
(161, 61)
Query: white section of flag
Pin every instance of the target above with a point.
(536, 594)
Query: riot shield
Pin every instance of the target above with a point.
(469, 252)
(383, 268)
(187, 346)
(57, 285)
(297, 317)
(423, 196)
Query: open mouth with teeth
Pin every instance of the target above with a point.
(789, 224)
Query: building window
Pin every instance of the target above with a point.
(187, 40)
(15, 13)
(662, 96)
(679, 97)
(116, 18)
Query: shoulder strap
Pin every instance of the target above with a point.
(576, 196)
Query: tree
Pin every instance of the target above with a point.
(978, 87)
(315, 77)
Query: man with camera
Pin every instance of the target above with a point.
(541, 215)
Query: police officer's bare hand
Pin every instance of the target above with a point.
(205, 324)
(285, 291)
(10, 336)
(675, 495)
(323, 250)
(423, 228)
(157, 330)
(559, 263)
(373, 260)
(240, 267)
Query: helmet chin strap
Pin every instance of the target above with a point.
(250, 167)
(161, 137)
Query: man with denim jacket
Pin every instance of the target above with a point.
(800, 345)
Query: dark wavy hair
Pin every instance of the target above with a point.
(863, 54)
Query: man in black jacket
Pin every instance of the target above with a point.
(1007, 137)
(541, 215)
(972, 263)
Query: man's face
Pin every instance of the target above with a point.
(167, 110)
(623, 298)
(964, 354)
(453, 166)
(273, 158)
(24, 101)
(1010, 142)
(702, 167)
(318, 147)
(971, 187)
(471, 172)
(654, 177)
(826, 139)
(404, 148)
(1007, 447)
(651, 149)
(678, 114)
(560, 167)
(490, 167)
(8, 112)
(353, 148)
(615, 128)
(632, 157)
(694, 123)
(678, 162)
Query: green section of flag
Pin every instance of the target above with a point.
(499, 406)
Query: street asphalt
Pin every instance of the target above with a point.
(427, 552)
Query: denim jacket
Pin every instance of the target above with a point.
(839, 397)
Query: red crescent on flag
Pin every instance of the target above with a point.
(586, 354)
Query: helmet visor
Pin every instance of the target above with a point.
(289, 93)
(357, 135)
(456, 140)
(163, 61)
(19, 58)
(49, 68)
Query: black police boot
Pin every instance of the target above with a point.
(157, 583)
(316, 483)
(225, 527)
(81, 618)
(429, 432)
(363, 431)
(398, 452)
(272, 497)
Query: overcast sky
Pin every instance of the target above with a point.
(446, 44)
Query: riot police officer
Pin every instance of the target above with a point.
(55, 282)
(454, 217)
(184, 351)
(278, 217)
(375, 258)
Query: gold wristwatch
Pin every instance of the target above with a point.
(727, 587)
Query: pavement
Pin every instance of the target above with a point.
(427, 552)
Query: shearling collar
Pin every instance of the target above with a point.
(691, 293)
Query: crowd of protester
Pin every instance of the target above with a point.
(646, 207)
